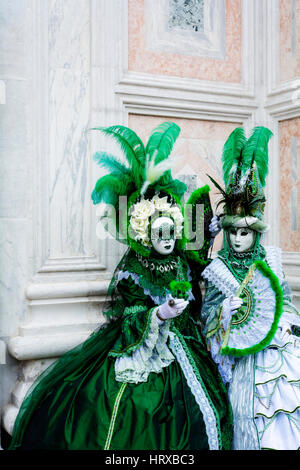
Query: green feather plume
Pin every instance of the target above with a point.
(231, 155)
(133, 148)
(161, 141)
(174, 187)
(158, 149)
(111, 163)
(256, 149)
(110, 187)
(130, 179)
(145, 166)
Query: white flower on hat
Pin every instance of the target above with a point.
(143, 209)
(139, 224)
(176, 213)
(161, 204)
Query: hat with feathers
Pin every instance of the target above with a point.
(145, 175)
(245, 167)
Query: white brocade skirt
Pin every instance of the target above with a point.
(277, 395)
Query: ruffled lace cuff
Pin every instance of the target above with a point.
(225, 363)
(152, 356)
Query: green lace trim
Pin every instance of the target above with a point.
(277, 378)
(134, 309)
(154, 358)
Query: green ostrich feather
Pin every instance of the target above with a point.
(256, 149)
(232, 152)
(109, 188)
(162, 140)
(133, 148)
(111, 163)
(262, 266)
(175, 188)
(158, 149)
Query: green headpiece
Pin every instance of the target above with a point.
(145, 179)
(145, 175)
(245, 167)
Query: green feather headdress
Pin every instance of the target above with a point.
(145, 172)
(245, 167)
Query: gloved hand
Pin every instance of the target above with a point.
(214, 226)
(171, 309)
(231, 305)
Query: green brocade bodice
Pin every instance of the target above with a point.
(135, 293)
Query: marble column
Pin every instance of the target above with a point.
(60, 67)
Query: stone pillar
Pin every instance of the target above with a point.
(60, 65)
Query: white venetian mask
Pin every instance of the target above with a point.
(163, 235)
(241, 239)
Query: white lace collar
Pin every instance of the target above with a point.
(221, 277)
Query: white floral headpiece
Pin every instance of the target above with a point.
(142, 212)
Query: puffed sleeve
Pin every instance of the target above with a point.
(211, 310)
(142, 346)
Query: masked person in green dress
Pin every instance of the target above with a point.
(143, 381)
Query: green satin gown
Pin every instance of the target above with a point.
(79, 403)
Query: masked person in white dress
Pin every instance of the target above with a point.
(251, 325)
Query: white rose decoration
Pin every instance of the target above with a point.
(161, 204)
(143, 209)
(139, 225)
(176, 213)
(142, 212)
